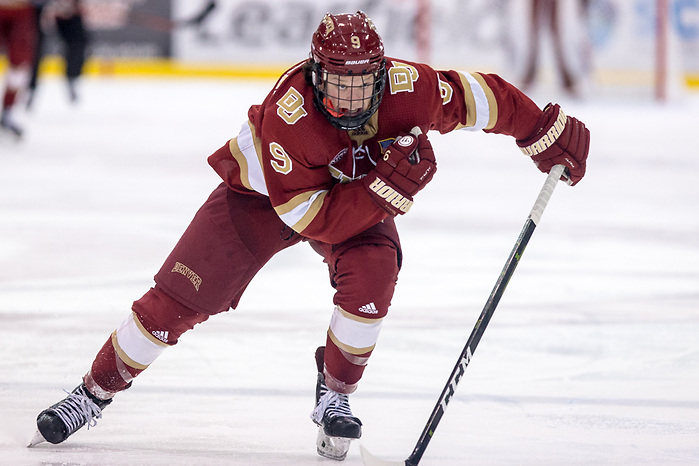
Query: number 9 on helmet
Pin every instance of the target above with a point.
(348, 69)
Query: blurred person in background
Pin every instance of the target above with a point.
(333, 154)
(18, 38)
(563, 24)
(66, 18)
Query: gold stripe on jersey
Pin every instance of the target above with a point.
(301, 209)
(245, 149)
(470, 104)
(492, 101)
(353, 334)
(293, 203)
(338, 175)
(242, 163)
(481, 106)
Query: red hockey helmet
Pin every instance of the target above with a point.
(348, 45)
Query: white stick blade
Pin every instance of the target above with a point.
(370, 460)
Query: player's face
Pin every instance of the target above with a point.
(349, 95)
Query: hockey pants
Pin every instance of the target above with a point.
(230, 239)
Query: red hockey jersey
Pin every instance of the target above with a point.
(289, 151)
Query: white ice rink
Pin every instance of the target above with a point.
(592, 357)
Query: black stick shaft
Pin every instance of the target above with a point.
(488, 310)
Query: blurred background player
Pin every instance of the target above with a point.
(556, 26)
(332, 155)
(18, 38)
(66, 18)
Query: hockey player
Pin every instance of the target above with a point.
(18, 36)
(564, 24)
(66, 16)
(335, 151)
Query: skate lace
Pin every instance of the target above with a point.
(76, 410)
(332, 404)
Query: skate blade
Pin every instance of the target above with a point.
(334, 448)
(36, 440)
(370, 460)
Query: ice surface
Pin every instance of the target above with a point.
(591, 358)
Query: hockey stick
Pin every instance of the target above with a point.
(163, 24)
(466, 354)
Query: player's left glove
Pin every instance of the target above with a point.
(405, 168)
(558, 139)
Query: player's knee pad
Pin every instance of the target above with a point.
(365, 278)
(163, 318)
(157, 321)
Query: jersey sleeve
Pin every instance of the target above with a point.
(515, 114)
(486, 102)
(462, 100)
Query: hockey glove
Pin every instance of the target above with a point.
(406, 167)
(558, 139)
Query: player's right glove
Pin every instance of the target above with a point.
(405, 168)
(558, 139)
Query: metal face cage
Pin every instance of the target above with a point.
(348, 100)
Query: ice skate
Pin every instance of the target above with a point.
(9, 127)
(337, 425)
(60, 421)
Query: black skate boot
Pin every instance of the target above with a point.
(60, 421)
(337, 426)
